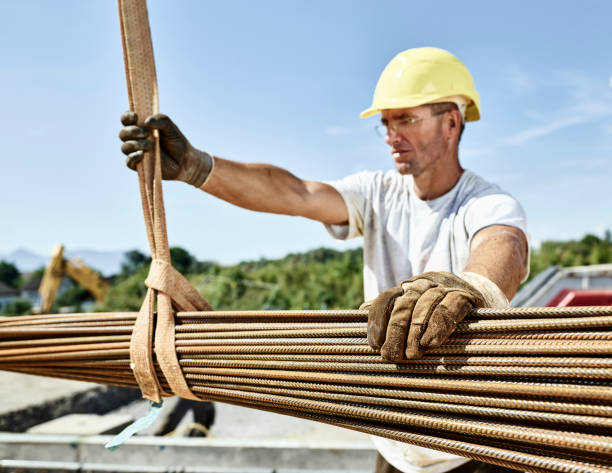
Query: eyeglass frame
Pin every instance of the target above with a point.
(382, 130)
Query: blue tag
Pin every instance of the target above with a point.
(135, 427)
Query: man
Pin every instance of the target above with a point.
(464, 234)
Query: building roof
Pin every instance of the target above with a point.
(32, 284)
(6, 290)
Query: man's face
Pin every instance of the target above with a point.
(415, 137)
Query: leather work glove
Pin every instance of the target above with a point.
(420, 313)
(179, 160)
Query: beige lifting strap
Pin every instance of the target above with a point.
(163, 281)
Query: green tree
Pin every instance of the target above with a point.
(38, 273)
(587, 251)
(73, 296)
(127, 293)
(9, 274)
(322, 278)
(182, 260)
(133, 261)
(17, 307)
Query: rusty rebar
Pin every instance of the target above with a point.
(534, 380)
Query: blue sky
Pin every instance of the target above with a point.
(284, 82)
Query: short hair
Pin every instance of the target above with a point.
(443, 107)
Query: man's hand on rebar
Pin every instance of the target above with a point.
(420, 313)
(179, 160)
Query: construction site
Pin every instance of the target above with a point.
(452, 340)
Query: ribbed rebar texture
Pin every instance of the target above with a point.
(527, 388)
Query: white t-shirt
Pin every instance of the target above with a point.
(406, 236)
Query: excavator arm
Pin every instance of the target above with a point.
(82, 274)
(51, 280)
(76, 270)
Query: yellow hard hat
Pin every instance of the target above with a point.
(424, 75)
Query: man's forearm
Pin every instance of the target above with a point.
(253, 186)
(499, 253)
(268, 188)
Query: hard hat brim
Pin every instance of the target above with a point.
(472, 113)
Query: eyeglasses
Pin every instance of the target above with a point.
(403, 125)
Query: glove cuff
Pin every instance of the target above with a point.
(493, 295)
(198, 167)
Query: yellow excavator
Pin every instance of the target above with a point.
(76, 270)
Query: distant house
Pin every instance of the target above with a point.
(556, 283)
(7, 294)
(29, 290)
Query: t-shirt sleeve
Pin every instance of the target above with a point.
(494, 209)
(355, 190)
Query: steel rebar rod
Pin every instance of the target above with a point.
(534, 379)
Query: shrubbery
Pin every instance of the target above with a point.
(589, 250)
(318, 279)
(17, 307)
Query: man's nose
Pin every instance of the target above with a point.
(392, 136)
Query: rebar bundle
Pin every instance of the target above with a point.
(529, 389)
(525, 388)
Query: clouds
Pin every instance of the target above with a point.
(576, 99)
(518, 80)
(336, 130)
(597, 164)
(534, 132)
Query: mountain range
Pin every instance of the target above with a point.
(107, 262)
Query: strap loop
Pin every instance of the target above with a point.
(165, 278)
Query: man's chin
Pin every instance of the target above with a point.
(404, 168)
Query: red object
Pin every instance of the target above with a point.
(576, 297)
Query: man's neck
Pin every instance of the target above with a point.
(431, 185)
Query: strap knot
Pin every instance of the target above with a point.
(163, 277)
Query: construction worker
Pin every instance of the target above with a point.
(438, 240)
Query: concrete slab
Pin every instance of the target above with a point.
(19, 391)
(84, 424)
(244, 424)
(234, 422)
(181, 454)
(240, 438)
(29, 400)
(25, 466)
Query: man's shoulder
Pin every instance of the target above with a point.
(375, 180)
(474, 185)
(368, 175)
(482, 198)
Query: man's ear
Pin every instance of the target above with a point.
(452, 124)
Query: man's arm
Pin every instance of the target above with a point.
(260, 187)
(268, 188)
(499, 253)
(423, 311)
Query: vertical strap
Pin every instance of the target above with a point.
(142, 90)
(142, 94)
(165, 283)
(141, 350)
